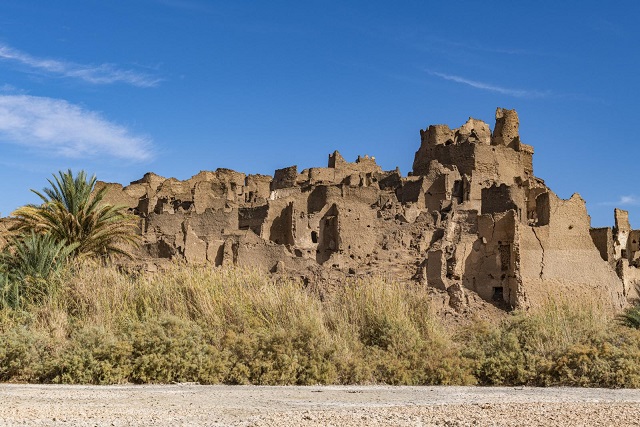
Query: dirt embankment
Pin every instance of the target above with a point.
(194, 405)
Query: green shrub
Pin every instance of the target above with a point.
(302, 356)
(554, 345)
(22, 352)
(612, 360)
(91, 356)
(172, 350)
(502, 355)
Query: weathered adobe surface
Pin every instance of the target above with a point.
(471, 219)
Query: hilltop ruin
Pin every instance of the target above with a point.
(470, 217)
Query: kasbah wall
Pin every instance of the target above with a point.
(470, 218)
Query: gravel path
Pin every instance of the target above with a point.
(194, 405)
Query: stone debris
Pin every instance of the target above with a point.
(470, 217)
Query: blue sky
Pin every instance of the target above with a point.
(119, 88)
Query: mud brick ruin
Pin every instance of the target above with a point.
(470, 217)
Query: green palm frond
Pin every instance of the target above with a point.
(73, 212)
(630, 317)
(27, 264)
(35, 255)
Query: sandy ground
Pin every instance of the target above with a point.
(195, 405)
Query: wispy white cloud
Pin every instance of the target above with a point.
(95, 74)
(519, 93)
(628, 200)
(58, 127)
(474, 46)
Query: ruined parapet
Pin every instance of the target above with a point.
(218, 191)
(566, 216)
(437, 135)
(174, 188)
(284, 178)
(150, 179)
(473, 131)
(225, 184)
(116, 194)
(203, 176)
(229, 175)
(434, 135)
(366, 164)
(234, 183)
(336, 161)
(321, 176)
(621, 218)
(362, 172)
(483, 157)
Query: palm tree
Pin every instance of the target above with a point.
(73, 213)
(27, 265)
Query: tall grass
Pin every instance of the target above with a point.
(197, 323)
(210, 325)
(565, 341)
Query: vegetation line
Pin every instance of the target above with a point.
(199, 324)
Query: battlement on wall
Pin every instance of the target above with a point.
(475, 151)
(505, 133)
(362, 163)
